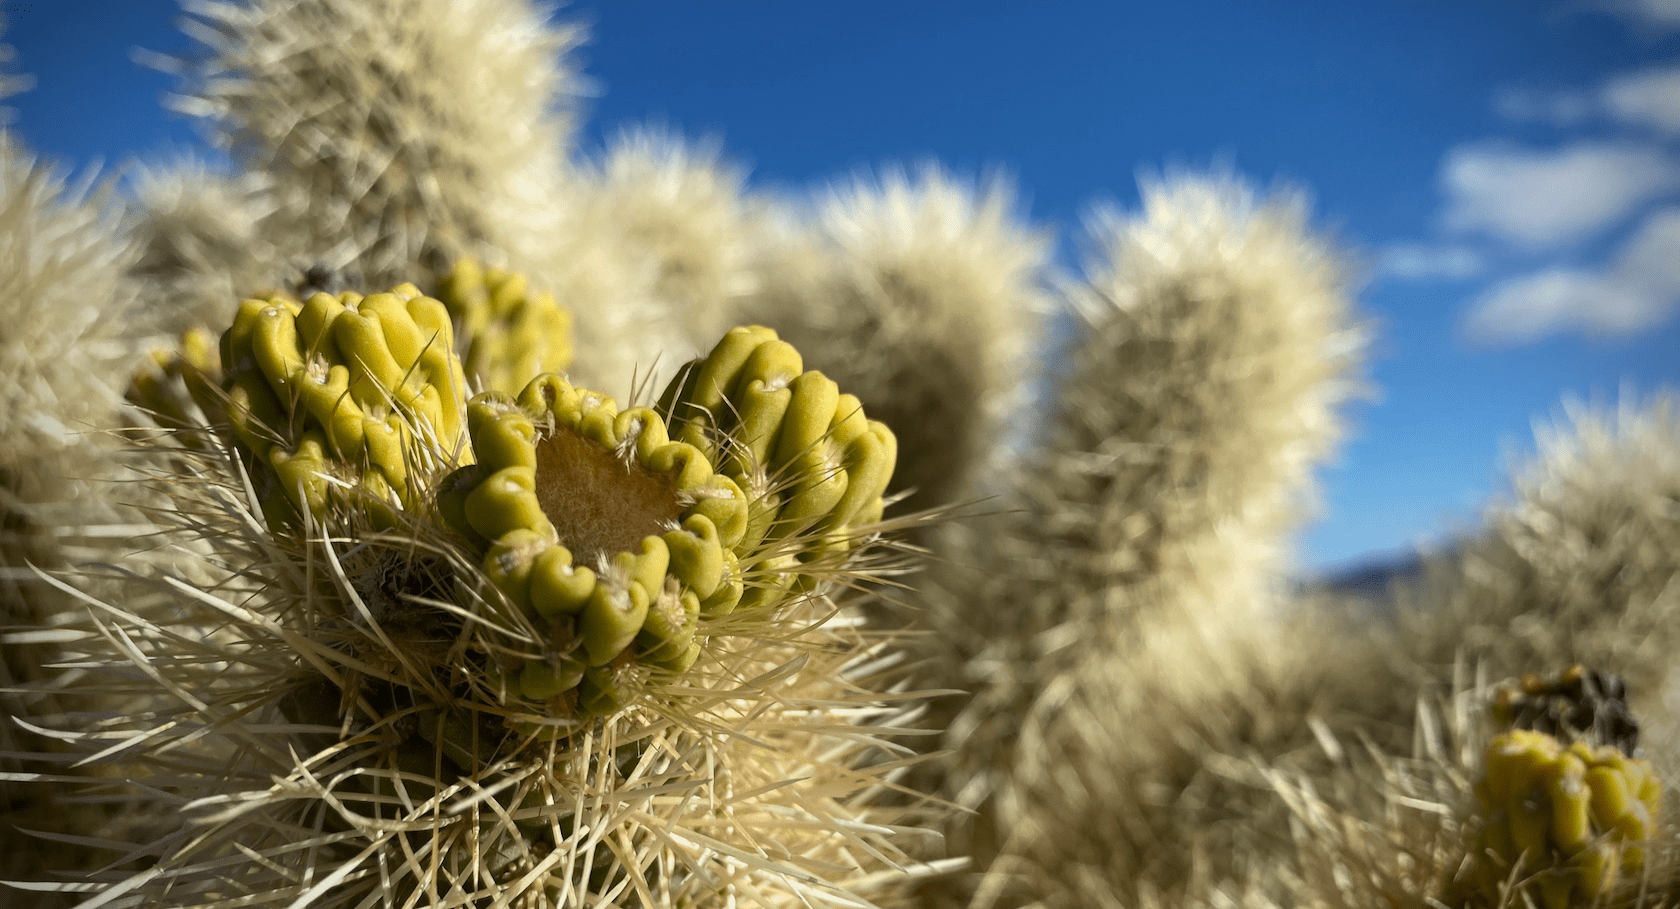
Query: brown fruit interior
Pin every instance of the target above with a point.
(599, 504)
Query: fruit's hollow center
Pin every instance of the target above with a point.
(600, 505)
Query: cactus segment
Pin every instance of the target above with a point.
(608, 537)
(811, 464)
(177, 378)
(509, 333)
(1574, 817)
(335, 391)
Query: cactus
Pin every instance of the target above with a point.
(924, 297)
(618, 531)
(665, 233)
(521, 626)
(509, 332)
(369, 642)
(406, 155)
(204, 238)
(1569, 820)
(331, 391)
(1127, 587)
(70, 318)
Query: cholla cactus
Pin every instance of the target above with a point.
(372, 641)
(429, 128)
(471, 721)
(68, 312)
(665, 237)
(1580, 567)
(1143, 545)
(1567, 819)
(204, 239)
(924, 297)
(509, 330)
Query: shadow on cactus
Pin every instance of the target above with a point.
(395, 649)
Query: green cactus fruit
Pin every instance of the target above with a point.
(177, 379)
(814, 467)
(1576, 703)
(335, 392)
(1573, 817)
(609, 538)
(508, 332)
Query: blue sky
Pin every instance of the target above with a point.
(1509, 170)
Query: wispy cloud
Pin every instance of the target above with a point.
(1538, 199)
(1638, 289)
(1421, 261)
(1648, 98)
(1660, 15)
(1559, 108)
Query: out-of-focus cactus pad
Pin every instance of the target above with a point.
(509, 332)
(334, 392)
(813, 466)
(177, 379)
(1575, 818)
(609, 539)
(1576, 703)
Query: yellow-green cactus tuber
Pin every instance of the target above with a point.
(1569, 820)
(616, 534)
(508, 332)
(601, 530)
(178, 379)
(813, 466)
(332, 393)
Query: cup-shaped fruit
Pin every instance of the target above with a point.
(362, 378)
(605, 535)
(813, 466)
(178, 378)
(1574, 817)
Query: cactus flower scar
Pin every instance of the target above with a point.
(618, 533)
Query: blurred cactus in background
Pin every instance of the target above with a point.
(336, 573)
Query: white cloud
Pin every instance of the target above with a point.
(1649, 97)
(1650, 259)
(1418, 261)
(1640, 288)
(1540, 199)
(1559, 108)
(1657, 14)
